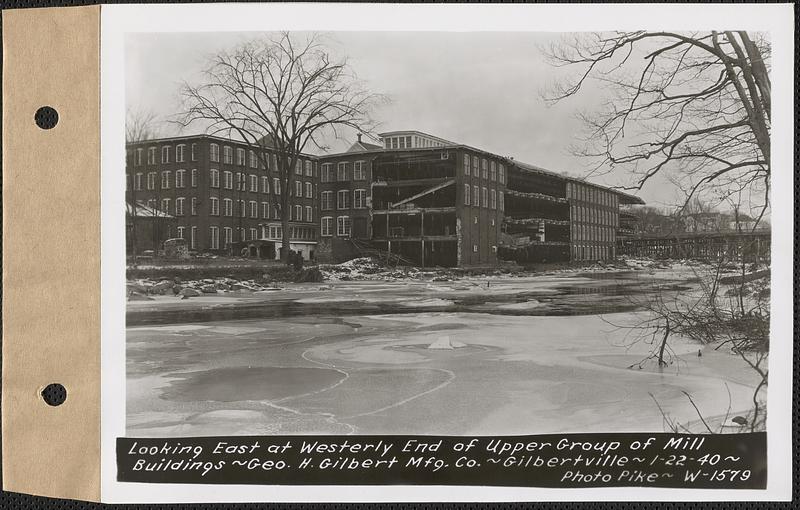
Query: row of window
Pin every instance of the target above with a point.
(166, 179)
(247, 234)
(343, 171)
(585, 214)
(242, 157)
(585, 193)
(301, 189)
(484, 169)
(152, 153)
(343, 199)
(410, 142)
(343, 226)
(593, 233)
(485, 196)
(592, 252)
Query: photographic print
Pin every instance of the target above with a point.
(362, 244)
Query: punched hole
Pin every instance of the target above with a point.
(54, 394)
(46, 117)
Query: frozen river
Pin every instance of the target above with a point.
(535, 355)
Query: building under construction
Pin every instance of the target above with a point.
(431, 202)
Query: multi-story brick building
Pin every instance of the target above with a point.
(221, 195)
(414, 196)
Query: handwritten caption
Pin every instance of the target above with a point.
(571, 460)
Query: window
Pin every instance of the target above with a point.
(242, 209)
(138, 157)
(341, 171)
(466, 165)
(165, 154)
(466, 194)
(475, 166)
(343, 226)
(476, 196)
(253, 234)
(214, 234)
(493, 171)
(474, 248)
(484, 169)
(194, 177)
(151, 203)
(165, 205)
(485, 197)
(240, 155)
(214, 177)
(298, 167)
(359, 198)
(253, 159)
(165, 179)
(298, 189)
(227, 207)
(254, 183)
(151, 155)
(179, 178)
(343, 199)
(227, 155)
(359, 171)
(309, 213)
(193, 238)
(228, 179)
(276, 186)
(228, 235)
(265, 210)
(137, 182)
(298, 213)
(180, 153)
(327, 225)
(493, 200)
(151, 180)
(276, 211)
(326, 200)
(253, 209)
(309, 190)
(265, 184)
(327, 172)
(194, 154)
(241, 181)
(502, 200)
(309, 169)
(193, 206)
(502, 171)
(179, 206)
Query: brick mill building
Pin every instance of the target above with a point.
(417, 197)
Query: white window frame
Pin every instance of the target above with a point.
(326, 226)
(341, 171)
(467, 194)
(342, 204)
(228, 176)
(326, 173)
(214, 237)
(227, 207)
(309, 168)
(227, 155)
(326, 201)
(359, 171)
(180, 153)
(359, 198)
(254, 183)
(253, 163)
(194, 178)
(253, 209)
(214, 209)
(264, 184)
(241, 156)
(180, 178)
(165, 154)
(309, 190)
(193, 206)
(179, 206)
(214, 177)
(309, 213)
(165, 175)
(466, 166)
(343, 226)
(264, 210)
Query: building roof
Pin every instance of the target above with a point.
(415, 132)
(145, 211)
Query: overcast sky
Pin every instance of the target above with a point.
(478, 88)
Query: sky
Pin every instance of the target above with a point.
(482, 89)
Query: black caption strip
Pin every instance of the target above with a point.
(719, 461)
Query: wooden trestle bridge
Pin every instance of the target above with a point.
(751, 245)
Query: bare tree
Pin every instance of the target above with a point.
(140, 125)
(693, 104)
(279, 95)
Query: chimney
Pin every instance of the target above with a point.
(359, 138)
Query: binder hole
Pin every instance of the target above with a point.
(46, 117)
(54, 394)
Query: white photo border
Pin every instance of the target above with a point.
(117, 20)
